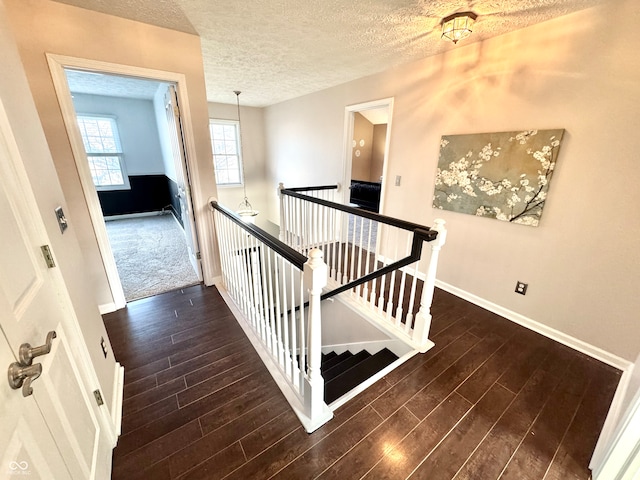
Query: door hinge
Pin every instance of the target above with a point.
(48, 256)
(198, 256)
(98, 396)
(176, 110)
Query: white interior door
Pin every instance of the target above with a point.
(26, 445)
(182, 177)
(32, 303)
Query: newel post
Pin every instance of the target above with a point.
(423, 318)
(282, 218)
(315, 278)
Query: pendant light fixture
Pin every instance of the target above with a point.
(245, 211)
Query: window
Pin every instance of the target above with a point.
(227, 162)
(104, 152)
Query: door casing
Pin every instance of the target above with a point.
(57, 65)
(350, 111)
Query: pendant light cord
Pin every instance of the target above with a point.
(244, 180)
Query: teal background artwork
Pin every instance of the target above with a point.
(504, 175)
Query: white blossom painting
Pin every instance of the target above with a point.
(502, 175)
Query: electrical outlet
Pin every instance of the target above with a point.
(103, 344)
(521, 287)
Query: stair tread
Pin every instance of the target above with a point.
(351, 378)
(328, 356)
(344, 365)
(335, 360)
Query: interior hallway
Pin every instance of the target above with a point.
(490, 400)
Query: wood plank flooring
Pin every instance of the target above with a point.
(491, 400)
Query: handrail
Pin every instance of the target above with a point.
(293, 256)
(313, 189)
(395, 222)
(262, 276)
(419, 236)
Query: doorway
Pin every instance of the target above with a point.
(367, 133)
(157, 189)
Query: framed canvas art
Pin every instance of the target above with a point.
(502, 175)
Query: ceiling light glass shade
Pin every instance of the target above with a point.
(246, 212)
(458, 26)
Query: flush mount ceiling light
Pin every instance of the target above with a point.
(458, 26)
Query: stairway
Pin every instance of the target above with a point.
(345, 371)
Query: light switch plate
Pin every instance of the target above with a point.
(62, 220)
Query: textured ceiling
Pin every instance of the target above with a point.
(274, 50)
(111, 85)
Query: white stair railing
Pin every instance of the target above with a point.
(269, 283)
(375, 260)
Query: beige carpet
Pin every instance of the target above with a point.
(151, 255)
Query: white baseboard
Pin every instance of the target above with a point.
(616, 412)
(138, 215)
(117, 400)
(397, 347)
(107, 308)
(552, 333)
(371, 380)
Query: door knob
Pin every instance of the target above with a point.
(27, 353)
(23, 376)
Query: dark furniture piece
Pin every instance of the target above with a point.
(365, 195)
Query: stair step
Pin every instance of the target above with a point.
(351, 378)
(345, 365)
(328, 356)
(335, 361)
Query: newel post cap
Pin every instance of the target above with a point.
(315, 270)
(439, 226)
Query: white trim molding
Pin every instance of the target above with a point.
(117, 400)
(350, 111)
(107, 308)
(621, 461)
(57, 64)
(552, 333)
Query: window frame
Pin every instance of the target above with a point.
(236, 124)
(119, 154)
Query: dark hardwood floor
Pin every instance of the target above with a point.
(490, 400)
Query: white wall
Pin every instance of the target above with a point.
(137, 126)
(21, 110)
(162, 126)
(574, 72)
(253, 149)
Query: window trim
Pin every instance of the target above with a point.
(126, 185)
(236, 123)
